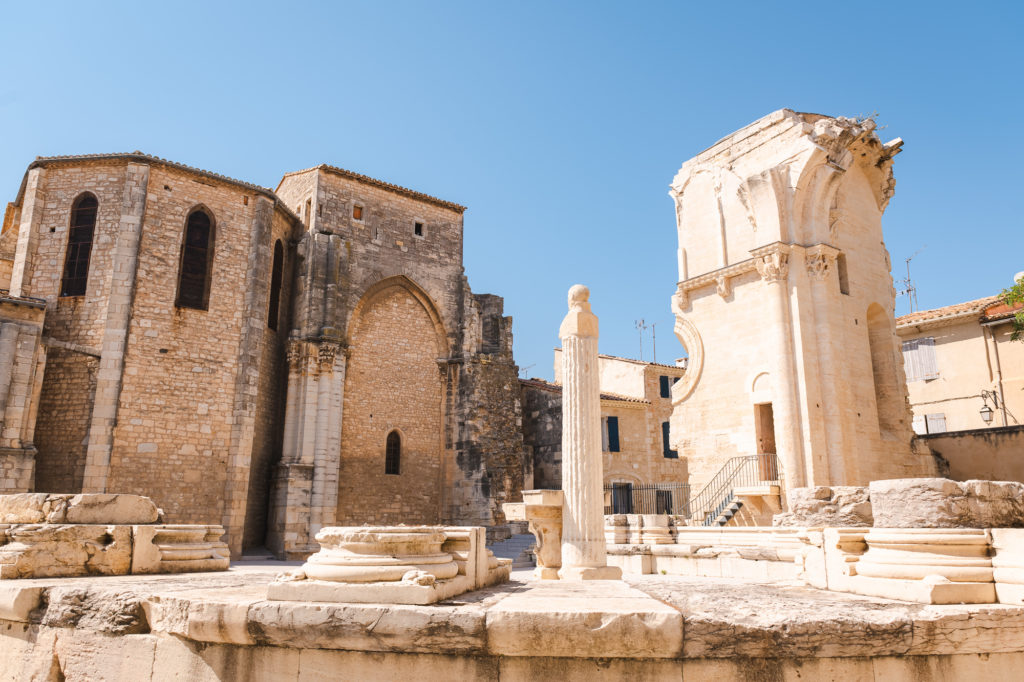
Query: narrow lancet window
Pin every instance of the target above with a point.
(196, 259)
(275, 285)
(80, 235)
(393, 454)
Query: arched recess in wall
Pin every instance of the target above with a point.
(815, 194)
(276, 275)
(196, 266)
(690, 339)
(888, 393)
(394, 385)
(81, 231)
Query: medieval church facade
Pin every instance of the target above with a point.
(277, 361)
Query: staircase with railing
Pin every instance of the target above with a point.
(740, 479)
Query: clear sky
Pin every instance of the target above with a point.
(560, 125)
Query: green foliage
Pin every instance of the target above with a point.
(1012, 296)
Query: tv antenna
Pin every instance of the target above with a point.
(640, 327)
(654, 342)
(524, 370)
(909, 290)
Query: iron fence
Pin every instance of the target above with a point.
(656, 498)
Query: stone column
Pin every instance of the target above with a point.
(115, 329)
(583, 548)
(773, 266)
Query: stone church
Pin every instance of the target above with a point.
(275, 361)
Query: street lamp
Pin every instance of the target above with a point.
(986, 412)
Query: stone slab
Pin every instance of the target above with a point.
(597, 618)
(367, 593)
(91, 508)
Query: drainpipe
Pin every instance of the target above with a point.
(999, 371)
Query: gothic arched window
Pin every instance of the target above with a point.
(196, 262)
(80, 235)
(393, 454)
(276, 272)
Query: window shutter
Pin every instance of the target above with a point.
(926, 353)
(936, 423)
(920, 427)
(604, 434)
(613, 434)
(664, 387)
(666, 450)
(909, 359)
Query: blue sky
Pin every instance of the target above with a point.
(560, 125)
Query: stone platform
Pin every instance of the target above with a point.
(220, 626)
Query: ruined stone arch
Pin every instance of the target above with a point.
(393, 385)
(380, 288)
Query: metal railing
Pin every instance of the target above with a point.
(656, 498)
(738, 472)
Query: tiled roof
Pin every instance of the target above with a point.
(1001, 311)
(639, 362)
(149, 158)
(949, 312)
(557, 388)
(398, 189)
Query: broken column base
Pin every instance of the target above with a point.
(416, 565)
(590, 573)
(62, 535)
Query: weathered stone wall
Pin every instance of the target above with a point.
(392, 383)
(62, 425)
(994, 454)
(542, 433)
(491, 467)
(417, 350)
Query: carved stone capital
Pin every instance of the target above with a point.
(773, 266)
(326, 353)
(723, 285)
(820, 260)
(294, 353)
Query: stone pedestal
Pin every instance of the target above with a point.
(583, 545)
(393, 565)
(542, 509)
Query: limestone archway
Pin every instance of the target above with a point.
(392, 383)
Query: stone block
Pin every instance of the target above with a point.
(823, 506)
(178, 549)
(93, 508)
(17, 601)
(57, 550)
(603, 619)
(942, 503)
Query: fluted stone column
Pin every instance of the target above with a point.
(583, 543)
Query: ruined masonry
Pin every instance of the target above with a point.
(278, 361)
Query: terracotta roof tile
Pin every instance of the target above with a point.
(557, 388)
(975, 307)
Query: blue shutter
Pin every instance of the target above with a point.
(666, 450)
(613, 434)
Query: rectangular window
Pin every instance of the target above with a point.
(418, 229)
(919, 359)
(666, 449)
(357, 212)
(936, 423)
(610, 434)
(622, 498)
(666, 387)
